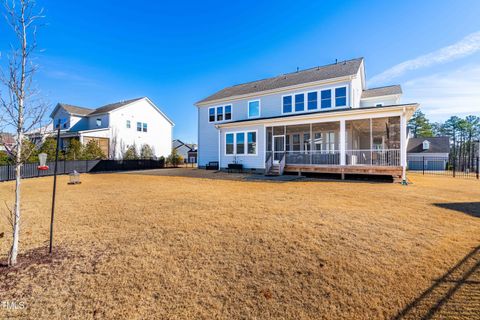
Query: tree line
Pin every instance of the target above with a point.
(464, 135)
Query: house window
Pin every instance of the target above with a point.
(99, 122)
(211, 114)
(341, 97)
(379, 105)
(252, 142)
(219, 113)
(312, 100)
(229, 143)
(299, 102)
(240, 143)
(228, 112)
(254, 109)
(145, 127)
(287, 104)
(295, 142)
(326, 97)
(139, 126)
(128, 124)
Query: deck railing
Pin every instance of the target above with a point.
(366, 157)
(373, 157)
(313, 157)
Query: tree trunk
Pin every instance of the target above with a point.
(12, 257)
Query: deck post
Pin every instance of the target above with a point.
(342, 142)
(403, 146)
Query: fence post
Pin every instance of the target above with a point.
(423, 165)
(478, 169)
(454, 166)
(8, 172)
(86, 166)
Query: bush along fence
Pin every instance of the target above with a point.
(445, 166)
(30, 170)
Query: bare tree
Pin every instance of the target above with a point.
(20, 107)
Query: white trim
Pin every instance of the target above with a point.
(245, 143)
(333, 102)
(223, 113)
(259, 108)
(302, 86)
(341, 113)
(387, 96)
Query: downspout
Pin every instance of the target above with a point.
(403, 156)
(219, 146)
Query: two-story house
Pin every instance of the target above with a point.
(322, 119)
(116, 126)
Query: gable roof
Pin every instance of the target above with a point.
(75, 109)
(113, 106)
(177, 143)
(382, 91)
(331, 71)
(437, 145)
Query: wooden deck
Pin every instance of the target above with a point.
(395, 172)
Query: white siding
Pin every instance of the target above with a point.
(159, 129)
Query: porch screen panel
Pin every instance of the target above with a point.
(325, 144)
(386, 141)
(299, 144)
(358, 142)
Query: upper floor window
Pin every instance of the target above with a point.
(139, 126)
(312, 100)
(145, 127)
(341, 97)
(211, 114)
(299, 102)
(287, 104)
(99, 122)
(254, 108)
(326, 96)
(219, 113)
(128, 124)
(228, 112)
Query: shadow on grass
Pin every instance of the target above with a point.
(456, 295)
(470, 208)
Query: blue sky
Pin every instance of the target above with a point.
(176, 53)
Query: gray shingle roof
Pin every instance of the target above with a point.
(75, 109)
(113, 106)
(89, 112)
(382, 91)
(437, 145)
(331, 71)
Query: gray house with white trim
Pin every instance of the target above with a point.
(322, 119)
(428, 153)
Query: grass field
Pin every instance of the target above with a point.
(132, 246)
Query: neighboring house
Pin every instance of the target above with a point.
(428, 153)
(322, 119)
(115, 126)
(188, 151)
(7, 141)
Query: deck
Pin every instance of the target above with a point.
(394, 171)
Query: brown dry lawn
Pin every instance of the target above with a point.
(132, 246)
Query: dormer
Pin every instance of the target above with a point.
(426, 145)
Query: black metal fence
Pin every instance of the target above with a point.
(30, 170)
(448, 166)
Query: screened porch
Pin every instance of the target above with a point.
(366, 142)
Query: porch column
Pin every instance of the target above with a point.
(403, 146)
(342, 143)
